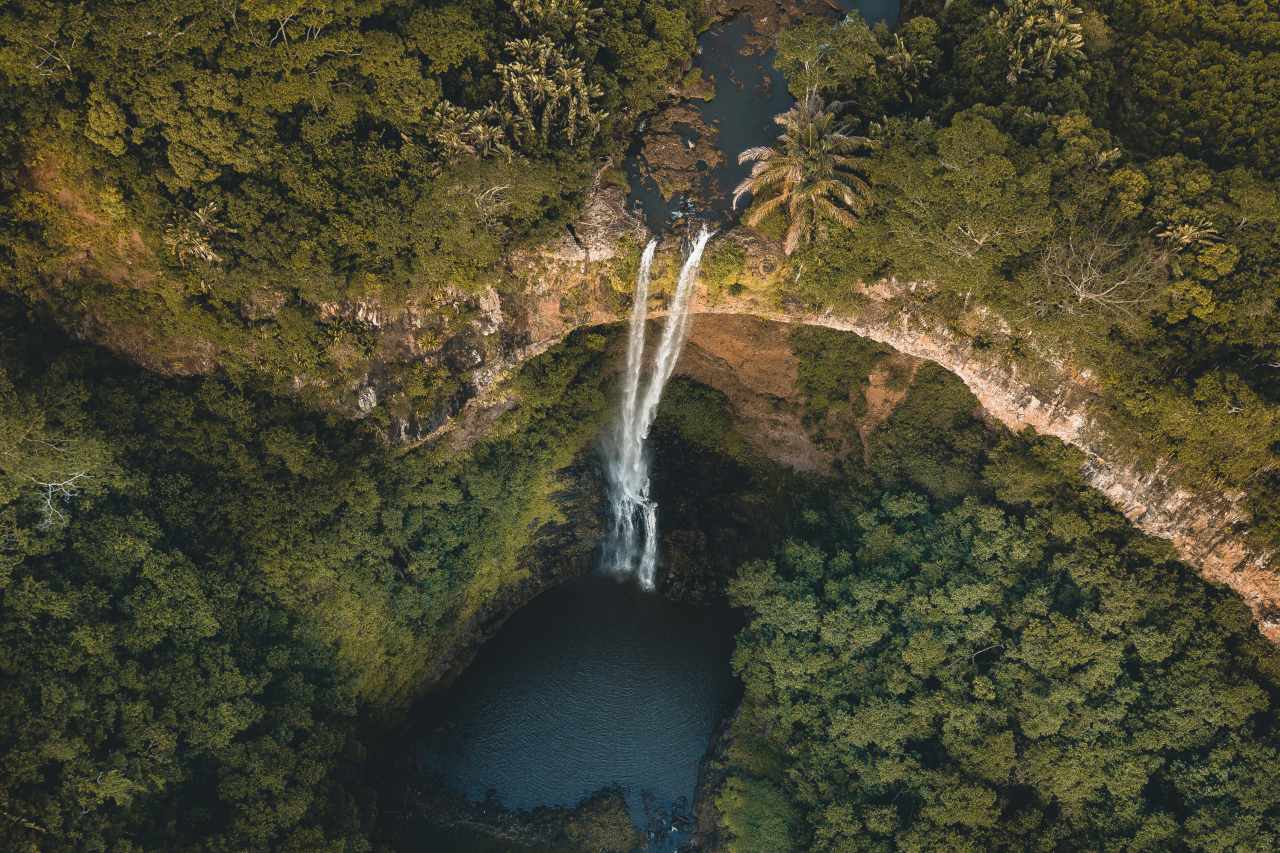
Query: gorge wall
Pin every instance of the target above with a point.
(572, 282)
(467, 344)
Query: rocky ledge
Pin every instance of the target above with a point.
(573, 283)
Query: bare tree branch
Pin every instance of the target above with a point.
(57, 492)
(1093, 272)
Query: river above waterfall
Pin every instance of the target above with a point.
(593, 684)
(876, 11)
(748, 91)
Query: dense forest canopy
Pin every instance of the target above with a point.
(1102, 175)
(964, 648)
(172, 168)
(200, 182)
(280, 122)
(216, 583)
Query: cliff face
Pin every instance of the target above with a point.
(433, 367)
(413, 356)
(568, 285)
(1207, 530)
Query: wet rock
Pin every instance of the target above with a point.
(679, 150)
(462, 354)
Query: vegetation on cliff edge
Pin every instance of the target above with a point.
(964, 647)
(1081, 169)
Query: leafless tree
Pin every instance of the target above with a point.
(282, 31)
(50, 57)
(55, 493)
(1091, 271)
(965, 240)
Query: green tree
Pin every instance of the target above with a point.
(1199, 78)
(813, 175)
(955, 673)
(1039, 34)
(757, 815)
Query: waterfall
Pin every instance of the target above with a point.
(625, 467)
(633, 549)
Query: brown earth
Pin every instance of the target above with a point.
(108, 249)
(887, 386)
(102, 248)
(750, 361)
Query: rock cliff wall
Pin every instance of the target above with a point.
(568, 284)
(435, 367)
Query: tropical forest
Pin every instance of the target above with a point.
(653, 426)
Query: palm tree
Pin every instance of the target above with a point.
(557, 18)
(812, 173)
(192, 238)
(546, 95)
(909, 68)
(1039, 33)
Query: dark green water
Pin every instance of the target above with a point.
(878, 10)
(749, 92)
(593, 684)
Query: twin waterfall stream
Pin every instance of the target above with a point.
(632, 545)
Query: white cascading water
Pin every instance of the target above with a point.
(624, 466)
(632, 548)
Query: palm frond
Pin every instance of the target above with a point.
(761, 210)
(760, 152)
(836, 212)
(816, 171)
(799, 226)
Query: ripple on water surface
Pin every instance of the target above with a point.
(593, 684)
